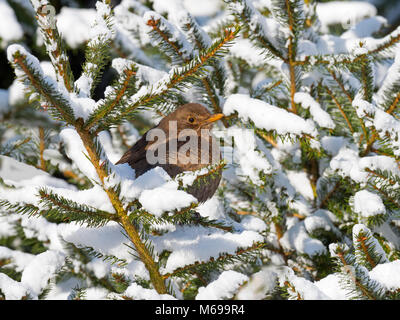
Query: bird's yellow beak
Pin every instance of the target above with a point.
(215, 117)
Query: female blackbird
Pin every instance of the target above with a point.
(182, 141)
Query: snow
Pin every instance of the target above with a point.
(12, 290)
(245, 50)
(368, 204)
(19, 259)
(14, 170)
(76, 151)
(171, 199)
(391, 78)
(258, 286)
(41, 269)
(136, 292)
(365, 28)
(94, 238)
(268, 27)
(346, 13)
(191, 244)
(253, 223)
(268, 117)
(74, 25)
(359, 229)
(301, 183)
(387, 274)
(300, 287)
(34, 63)
(321, 220)
(224, 287)
(212, 209)
(348, 163)
(176, 35)
(251, 160)
(297, 238)
(386, 124)
(330, 285)
(319, 115)
(204, 8)
(10, 29)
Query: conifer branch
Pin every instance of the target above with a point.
(202, 41)
(59, 104)
(367, 78)
(223, 259)
(394, 104)
(385, 44)
(130, 229)
(178, 77)
(124, 87)
(291, 57)
(338, 105)
(68, 210)
(97, 52)
(54, 43)
(341, 85)
(41, 149)
(365, 287)
(361, 239)
(252, 21)
(180, 50)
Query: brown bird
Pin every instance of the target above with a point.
(182, 141)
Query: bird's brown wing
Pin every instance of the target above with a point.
(136, 157)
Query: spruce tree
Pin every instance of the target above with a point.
(307, 207)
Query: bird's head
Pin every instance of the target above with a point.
(192, 116)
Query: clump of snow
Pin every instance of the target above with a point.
(137, 292)
(368, 204)
(268, 117)
(301, 183)
(224, 287)
(300, 287)
(391, 77)
(10, 29)
(333, 144)
(205, 8)
(19, 259)
(244, 49)
(346, 13)
(348, 164)
(332, 287)
(297, 238)
(94, 238)
(259, 285)
(321, 220)
(253, 223)
(212, 208)
(171, 199)
(319, 115)
(176, 35)
(74, 24)
(76, 151)
(365, 28)
(387, 274)
(191, 244)
(12, 290)
(41, 269)
(251, 160)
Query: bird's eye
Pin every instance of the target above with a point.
(191, 120)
